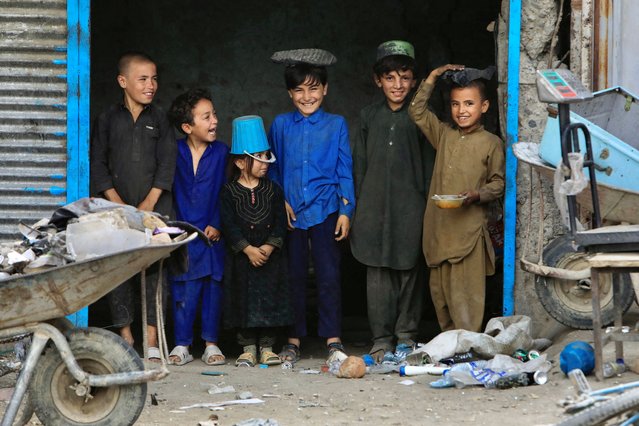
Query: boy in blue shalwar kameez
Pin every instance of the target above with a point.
(199, 176)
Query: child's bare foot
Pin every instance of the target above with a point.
(213, 355)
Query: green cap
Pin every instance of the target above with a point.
(395, 47)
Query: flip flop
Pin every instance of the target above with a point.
(247, 359)
(290, 353)
(211, 351)
(336, 352)
(268, 357)
(182, 354)
(154, 354)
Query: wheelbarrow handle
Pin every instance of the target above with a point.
(191, 228)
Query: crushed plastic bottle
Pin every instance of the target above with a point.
(613, 368)
(333, 367)
(459, 375)
(382, 368)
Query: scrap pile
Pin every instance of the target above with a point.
(84, 229)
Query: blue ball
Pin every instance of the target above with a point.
(578, 355)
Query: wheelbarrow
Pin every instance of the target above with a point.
(563, 280)
(87, 376)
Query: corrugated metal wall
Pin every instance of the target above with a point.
(33, 103)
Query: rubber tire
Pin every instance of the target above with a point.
(25, 412)
(97, 351)
(599, 413)
(561, 303)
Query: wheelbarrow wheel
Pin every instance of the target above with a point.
(25, 412)
(569, 301)
(97, 352)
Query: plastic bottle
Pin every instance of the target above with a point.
(466, 373)
(461, 357)
(368, 359)
(381, 368)
(414, 370)
(579, 355)
(611, 368)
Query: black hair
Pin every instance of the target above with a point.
(181, 111)
(478, 84)
(392, 63)
(234, 172)
(127, 57)
(295, 75)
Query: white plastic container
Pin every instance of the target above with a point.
(86, 240)
(414, 370)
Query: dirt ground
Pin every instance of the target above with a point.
(293, 398)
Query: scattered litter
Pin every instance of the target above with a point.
(407, 382)
(212, 421)
(223, 403)
(245, 395)
(309, 371)
(306, 404)
(177, 411)
(214, 389)
(154, 399)
(213, 373)
(82, 230)
(257, 422)
(502, 335)
(270, 395)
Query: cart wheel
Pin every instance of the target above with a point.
(569, 301)
(97, 351)
(25, 412)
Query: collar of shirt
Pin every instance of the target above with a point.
(313, 118)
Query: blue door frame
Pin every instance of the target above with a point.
(512, 135)
(78, 110)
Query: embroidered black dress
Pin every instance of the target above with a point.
(254, 296)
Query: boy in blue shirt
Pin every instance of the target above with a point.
(199, 177)
(314, 167)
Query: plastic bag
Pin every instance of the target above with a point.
(573, 186)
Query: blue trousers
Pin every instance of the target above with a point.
(326, 262)
(186, 296)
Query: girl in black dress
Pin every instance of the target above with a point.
(254, 228)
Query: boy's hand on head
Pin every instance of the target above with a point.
(342, 227)
(437, 72)
(212, 233)
(472, 197)
(256, 256)
(290, 216)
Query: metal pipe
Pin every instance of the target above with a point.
(512, 134)
(37, 345)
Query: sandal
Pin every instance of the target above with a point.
(179, 355)
(213, 351)
(268, 357)
(377, 354)
(336, 352)
(248, 358)
(153, 354)
(290, 353)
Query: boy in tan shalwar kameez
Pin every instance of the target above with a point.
(470, 162)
